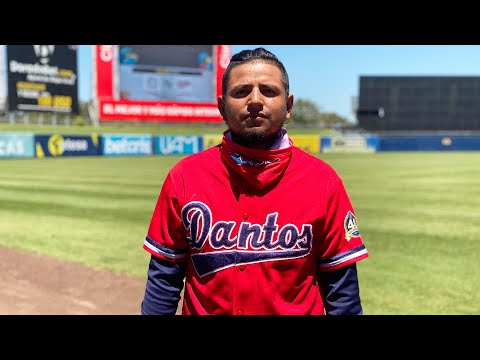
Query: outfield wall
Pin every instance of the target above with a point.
(29, 145)
(428, 143)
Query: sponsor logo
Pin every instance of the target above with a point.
(106, 53)
(43, 52)
(57, 145)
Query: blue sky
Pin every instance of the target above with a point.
(329, 74)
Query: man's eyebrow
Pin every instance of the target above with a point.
(240, 86)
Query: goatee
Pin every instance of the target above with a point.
(259, 140)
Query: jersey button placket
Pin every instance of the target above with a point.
(243, 267)
(241, 281)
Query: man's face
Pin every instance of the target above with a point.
(256, 106)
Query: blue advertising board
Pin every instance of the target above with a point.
(127, 144)
(178, 144)
(429, 143)
(57, 145)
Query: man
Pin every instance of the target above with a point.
(254, 225)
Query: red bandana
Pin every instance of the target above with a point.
(258, 167)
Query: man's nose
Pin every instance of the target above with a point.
(256, 97)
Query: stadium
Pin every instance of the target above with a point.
(79, 181)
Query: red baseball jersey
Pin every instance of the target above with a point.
(254, 227)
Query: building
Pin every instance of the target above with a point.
(426, 103)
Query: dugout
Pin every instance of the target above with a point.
(419, 103)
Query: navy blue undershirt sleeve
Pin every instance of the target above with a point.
(163, 288)
(340, 291)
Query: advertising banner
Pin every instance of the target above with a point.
(104, 71)
(128, 110)
(348, 144)
(178, 144)
(308, 143)
(42, 78)
(210, 140)
(127, 144)
(57, 145)
(14, 145)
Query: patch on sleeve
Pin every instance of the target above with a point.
(351, 226)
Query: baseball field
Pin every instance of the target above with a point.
(417, 212)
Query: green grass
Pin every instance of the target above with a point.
(417, 212)
(93, 210)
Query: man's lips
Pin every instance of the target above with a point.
(255, 116)
(254, 121)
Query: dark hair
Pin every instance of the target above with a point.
(260, 55)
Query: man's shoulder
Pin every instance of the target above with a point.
(200, 158)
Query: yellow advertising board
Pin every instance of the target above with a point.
(210, 140)
(308, 143)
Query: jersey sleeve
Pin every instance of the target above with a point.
(343, 244)
(166, 237)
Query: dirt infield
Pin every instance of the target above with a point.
(32, 284)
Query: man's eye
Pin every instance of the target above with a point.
(269, 91)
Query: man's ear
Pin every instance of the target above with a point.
(221, 106)
(289, 106)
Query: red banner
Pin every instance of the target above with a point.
(224, 54)
(156, 111)
(104, 71)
